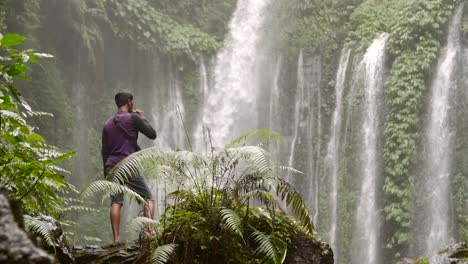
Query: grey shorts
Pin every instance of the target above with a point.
(136, 184)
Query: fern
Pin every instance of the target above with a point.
(109, 188)
(135, 226)
(270, 247)
(292, 198)
(257, 135)
(39, 228)
(162, 254)
(232, 221)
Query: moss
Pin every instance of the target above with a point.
(422, 261)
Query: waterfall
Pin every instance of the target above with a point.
(300, 102)
(305, 146)
(230, 107)
(170, 114)
(204, 86)
(367, 231)
(275, 97)
(438, 143)
(332, 157)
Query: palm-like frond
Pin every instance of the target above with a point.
(257, 135)
(271, 248)
(259, 195)
(162, 254)
(292, 198)
(39, 228)
(108, 187)
(71, 208)
(252, 160)
(136, 225)
(232, 221)
(140, 162)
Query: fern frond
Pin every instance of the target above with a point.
(39, 114)
(271, 247)
(108, 187)
(39, 228)
(136, 225)
(257, 135)
(232, 221)
(257, 160)
(162, 254)
(290, 169)
(292, 198)
(58, 169)
(259, 195)
(139, 162)
(71, 208)
(12, 115)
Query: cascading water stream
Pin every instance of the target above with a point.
(332, 157)
(438, 142)
(300, 102)
(230, 108)
(169, 116)
(275, 96)
(367, 231)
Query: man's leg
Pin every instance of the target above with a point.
(115, 220)
(149, 209)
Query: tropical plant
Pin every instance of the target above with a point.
(29, 166)
(225, 206)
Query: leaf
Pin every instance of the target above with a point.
(17, 70)
(39, 228)
(232, 221)
(10, 40)
(35, 138)
(162, 254)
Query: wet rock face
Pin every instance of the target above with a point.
(134, 253)
(305, 250)
(453, 254)
(15, 245)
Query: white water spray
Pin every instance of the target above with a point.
(367, 232)
(439, 139)
(332, 158)
(230, 109)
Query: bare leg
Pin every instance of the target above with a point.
(149, 209)
(115, 220)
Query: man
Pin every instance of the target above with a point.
(119, 139)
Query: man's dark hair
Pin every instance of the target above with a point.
(122, 97)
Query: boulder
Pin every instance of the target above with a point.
(15, 245)
(308, 250)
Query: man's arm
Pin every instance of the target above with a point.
(143, 126)
(104, 149)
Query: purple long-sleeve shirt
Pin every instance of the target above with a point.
(120, 135)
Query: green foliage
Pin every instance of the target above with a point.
(162, 254)
(209, 16)
(29, 169)
(415, 41)
(422, 261)
(148, 27)
(39, 228)
(371, 19)
(211, 214)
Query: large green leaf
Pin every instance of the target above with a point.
(11, 40)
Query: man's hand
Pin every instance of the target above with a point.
(140, 112)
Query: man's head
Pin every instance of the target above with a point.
(124, 98)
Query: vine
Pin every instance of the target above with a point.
(415, 41)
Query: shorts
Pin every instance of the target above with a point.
(136, 184)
